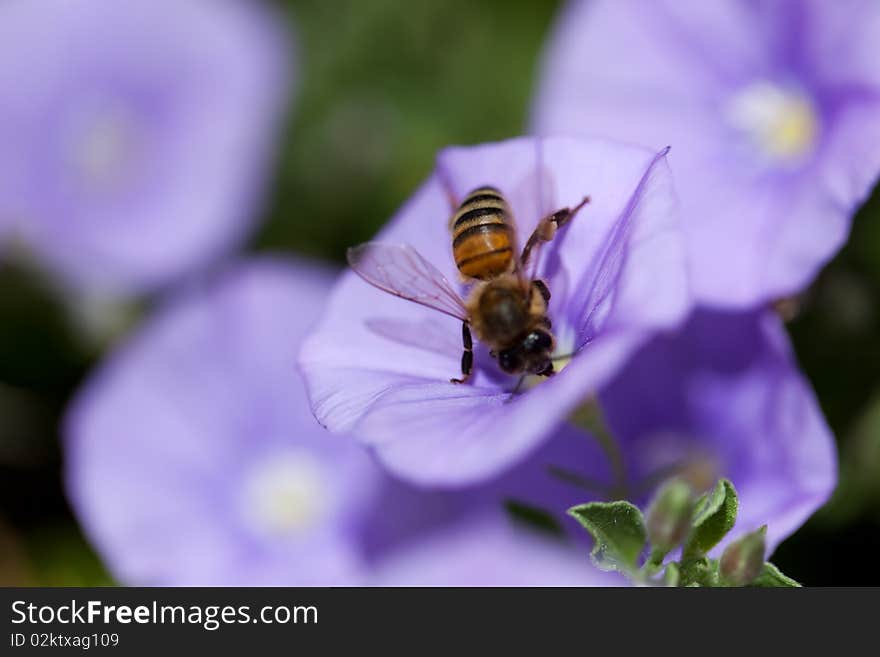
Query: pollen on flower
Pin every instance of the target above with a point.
(284, 495)
(780, 122)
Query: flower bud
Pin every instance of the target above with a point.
(743, 559)
(669, 515)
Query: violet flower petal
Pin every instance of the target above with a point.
(769, 107)
(487, 553)
(192, 458)
(616, 272)
(724, 397)
(137, 134)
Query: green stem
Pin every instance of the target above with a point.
(653, 564)
(589, 416)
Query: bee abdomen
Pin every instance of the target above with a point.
(482, 235)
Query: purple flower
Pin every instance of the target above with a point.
(192, 457)
(724, 397)
(771, 110)
(136, 133)
(484, 552)
(379, 366)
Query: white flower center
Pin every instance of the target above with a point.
(780, 122)
(104, 145)
(285, 495)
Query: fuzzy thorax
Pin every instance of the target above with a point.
(502, 311)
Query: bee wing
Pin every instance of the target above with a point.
(400, 270)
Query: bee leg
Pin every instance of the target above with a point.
(545, 231)
(542, 288)
(547, 371)
(467, 356)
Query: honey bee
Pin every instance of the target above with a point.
(506, 308)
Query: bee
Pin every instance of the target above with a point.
(505, 308)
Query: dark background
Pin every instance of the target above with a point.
(382, 86)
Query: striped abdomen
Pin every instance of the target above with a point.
(482, 235)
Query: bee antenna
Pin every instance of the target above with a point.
(564, 356)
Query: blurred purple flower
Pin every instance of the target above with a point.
(137, 134)
(724, 397)
(192, 457)
(379, 366)
(771, 110)
(484, 552)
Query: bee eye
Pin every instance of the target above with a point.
(537, 341)
(510, 361)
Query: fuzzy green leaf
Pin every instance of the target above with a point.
(714, 516)
(771, 576)
(618, 531)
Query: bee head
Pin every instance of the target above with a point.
(532, 355)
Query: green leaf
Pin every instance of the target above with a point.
(714, 516)
(533, 517)
(618, 532)
(771, 576)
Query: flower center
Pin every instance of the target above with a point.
(779, 122)
(104, 145)
(285, 495)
